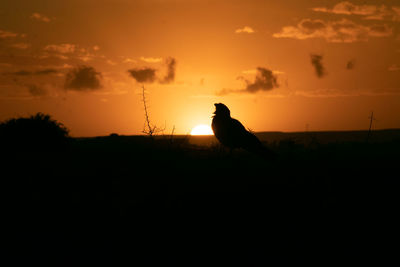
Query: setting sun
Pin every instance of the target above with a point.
(201, 129)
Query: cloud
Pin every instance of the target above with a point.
(342, 31)
(110, 62)
(394, 67)
(380, 31)
(369, 12)
(265, 80)
(22, 46)
(31, 73)
(245, 29)
(350, 64)
(82, 78)
(128, 60)
(252, 71)
(143, 75)
(85, 57)
(396, 10)
(151, 59)
(61, 48)
(40, 17)
(316, 61)
(171, 67)
(36, 90)
(148, 75)
(7, 34)
(347, 8)
(66, 51)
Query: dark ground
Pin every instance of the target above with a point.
(123, 200)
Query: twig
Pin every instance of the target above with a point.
(172, 134)
(148, 128)
(370, 125)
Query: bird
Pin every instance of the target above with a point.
(232, 134)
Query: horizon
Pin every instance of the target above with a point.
(163, 135)
(288, 66)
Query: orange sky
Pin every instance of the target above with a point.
(278, 65)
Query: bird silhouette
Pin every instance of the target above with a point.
(231, 133)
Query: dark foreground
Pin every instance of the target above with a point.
(134, 201)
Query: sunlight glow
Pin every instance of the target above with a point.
(201, 129)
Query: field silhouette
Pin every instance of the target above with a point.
(187, 201)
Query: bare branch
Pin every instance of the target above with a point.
(148, 128)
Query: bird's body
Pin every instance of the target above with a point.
(231, 133)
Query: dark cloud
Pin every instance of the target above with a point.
(380, 30)
(316, 61)
(350, 65)
(171, 66)
(30, 73)
(148, 75)
(143, 75)
(311, 26)
(20, 73)
(265, 80)
(36, 90)
(46, 71)
(82, 78)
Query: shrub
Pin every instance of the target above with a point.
(36, 134)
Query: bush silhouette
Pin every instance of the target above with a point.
(36, 134)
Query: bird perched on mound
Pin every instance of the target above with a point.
(231, 133)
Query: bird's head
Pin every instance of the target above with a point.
(221, 110)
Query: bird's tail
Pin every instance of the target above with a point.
(254, 145)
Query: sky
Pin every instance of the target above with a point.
(287, 65)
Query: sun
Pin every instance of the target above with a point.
(201, 129)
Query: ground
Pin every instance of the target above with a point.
(178, 200)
